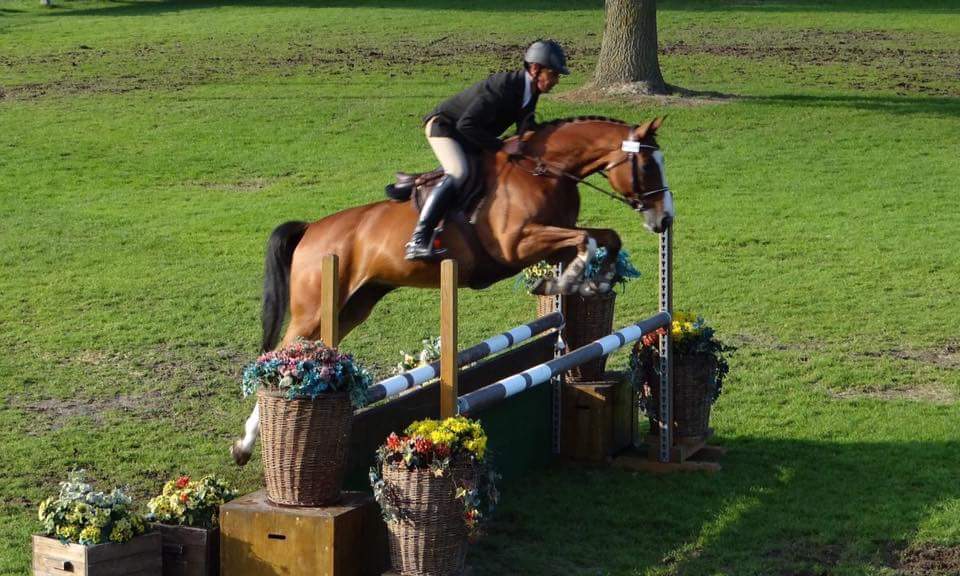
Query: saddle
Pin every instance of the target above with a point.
(417, 187)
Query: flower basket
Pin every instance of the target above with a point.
(305, 443)
(139, 556)
(434, 488)
(306, 393)
(699, 369)
(694, 387)
(430, 537)
(587, 319)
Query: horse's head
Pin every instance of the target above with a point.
(637, 172)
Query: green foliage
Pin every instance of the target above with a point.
(80, 515)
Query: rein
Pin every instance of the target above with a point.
(544, 168)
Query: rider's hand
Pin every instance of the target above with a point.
(514, 147)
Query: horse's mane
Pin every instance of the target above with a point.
(576, 119)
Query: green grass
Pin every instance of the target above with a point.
(148, 148)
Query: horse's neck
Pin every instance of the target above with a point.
(579, 152)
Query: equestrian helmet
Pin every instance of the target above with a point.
(547, 53)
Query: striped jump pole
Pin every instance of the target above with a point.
(396, 384)
(489, 395)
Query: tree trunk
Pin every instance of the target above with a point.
(628, 54)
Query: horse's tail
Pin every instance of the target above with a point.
(276, 279)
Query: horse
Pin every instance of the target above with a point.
(529, 214)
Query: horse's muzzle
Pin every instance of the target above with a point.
(662, 226)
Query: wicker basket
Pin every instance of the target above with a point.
(588, 318)
(430, 539)
(545, 305)
(304, 447)
(694, 381)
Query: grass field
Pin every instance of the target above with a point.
(147, 149)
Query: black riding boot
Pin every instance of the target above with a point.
(441, 197)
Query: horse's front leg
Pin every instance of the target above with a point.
(538, 242)
(243, 447)
(603, 282)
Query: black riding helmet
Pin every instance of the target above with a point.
(547, 53)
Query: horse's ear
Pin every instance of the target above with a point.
(648, 129)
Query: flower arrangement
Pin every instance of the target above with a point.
(531, 274)
(429, 353)
(79, 515)
(433, 445)
(305, 369)
(194, 503)
(623, 270)
(689, 335)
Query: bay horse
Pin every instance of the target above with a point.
(528, 214)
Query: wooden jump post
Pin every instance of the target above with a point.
(449, 390)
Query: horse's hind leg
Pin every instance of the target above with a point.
(361, 303)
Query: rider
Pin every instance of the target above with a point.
(473, 120)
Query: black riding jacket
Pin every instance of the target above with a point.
(477, 116)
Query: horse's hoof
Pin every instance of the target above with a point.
(240, 456)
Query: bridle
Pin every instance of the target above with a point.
(639, 200)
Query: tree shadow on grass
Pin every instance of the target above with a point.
(777, 507)
(894, 105)
(834, 6)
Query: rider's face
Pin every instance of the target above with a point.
(547, 78)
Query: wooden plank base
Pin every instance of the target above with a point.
(688, 455)
(467, 571)
(639, 461)
(258, 538)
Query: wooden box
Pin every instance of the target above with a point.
(626, 413)
(138, 557)
(258, 538)
(190, 551)
(587, 421)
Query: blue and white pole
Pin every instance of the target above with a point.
(493, 393)
(396, 384)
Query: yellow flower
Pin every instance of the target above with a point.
(442, 437)
(90, 534)
(122, 531)
(68, 532)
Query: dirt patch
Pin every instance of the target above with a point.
(804, 559)
(637, 93)
(53, 413)
(165, 376)
(251, 185)
(946, 357)
(902, 67)
(929, 394)
(928, 560)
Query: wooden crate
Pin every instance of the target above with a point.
(587, 421)
(258, 538)
(138, 557)
(190, 551)
(625, 412)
